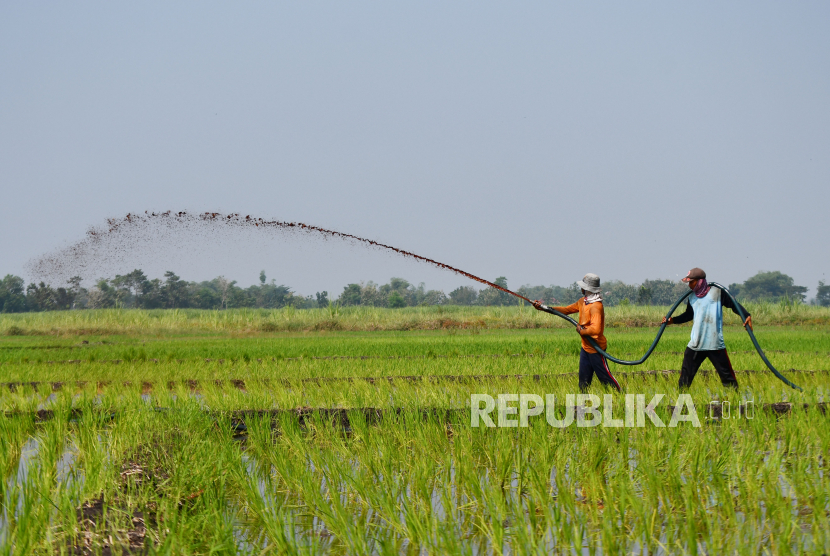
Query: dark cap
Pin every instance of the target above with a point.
(694, 274)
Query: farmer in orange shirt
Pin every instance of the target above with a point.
(591, 324)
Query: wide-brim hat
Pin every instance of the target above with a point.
(694, 274)
(590, 283)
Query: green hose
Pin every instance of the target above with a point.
(663, 328)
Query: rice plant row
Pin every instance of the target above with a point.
(292, 455)
(122, 474)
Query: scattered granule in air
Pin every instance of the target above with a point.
(120, 236)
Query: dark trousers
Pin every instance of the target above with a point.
(692, 360)
(594, 363)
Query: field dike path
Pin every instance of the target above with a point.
(239, 384)
(342, 417)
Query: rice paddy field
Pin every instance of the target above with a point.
(350, 432)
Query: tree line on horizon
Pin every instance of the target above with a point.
(136, 290)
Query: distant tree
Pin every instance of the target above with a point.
(207, 297)
(123, 292)
(151, 295)
(665, 292)
(410, 294)
(224, 286)
(12, 298)
(300, 302)
(350, 295)
(79, 294)
(322, 299)
(465, 295)
(772, 286)
(399, 284)
(735, 289)
(504, 298)
(275, 296)
(616, 292)
(270, 296)
(434, 297)
(102, 295)
(174, 291)
(396, 300)
(823, 294)
(492, 296)
(546, 295)
(371, 296)
(136, 282)
(644, 295)
(488, 297)
(42, 297)
(571, 294)
(63, 299)
(417, 296)
(238, 298)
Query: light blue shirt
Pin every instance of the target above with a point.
(707, 329)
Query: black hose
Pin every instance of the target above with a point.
(611, 357)
(754, 340)
(663, 328)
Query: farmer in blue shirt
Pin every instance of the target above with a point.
(706, 308)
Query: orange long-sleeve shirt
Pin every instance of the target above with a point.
(592, 317)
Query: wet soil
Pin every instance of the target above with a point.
(91, 541)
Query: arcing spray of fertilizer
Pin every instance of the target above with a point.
(98, 242)
(72, 258)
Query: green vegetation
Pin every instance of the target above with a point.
(143, 450)
(360, 318)
(770, 286)
(823, 294)
(135, 290)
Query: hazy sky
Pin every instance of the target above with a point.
(534, 140)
